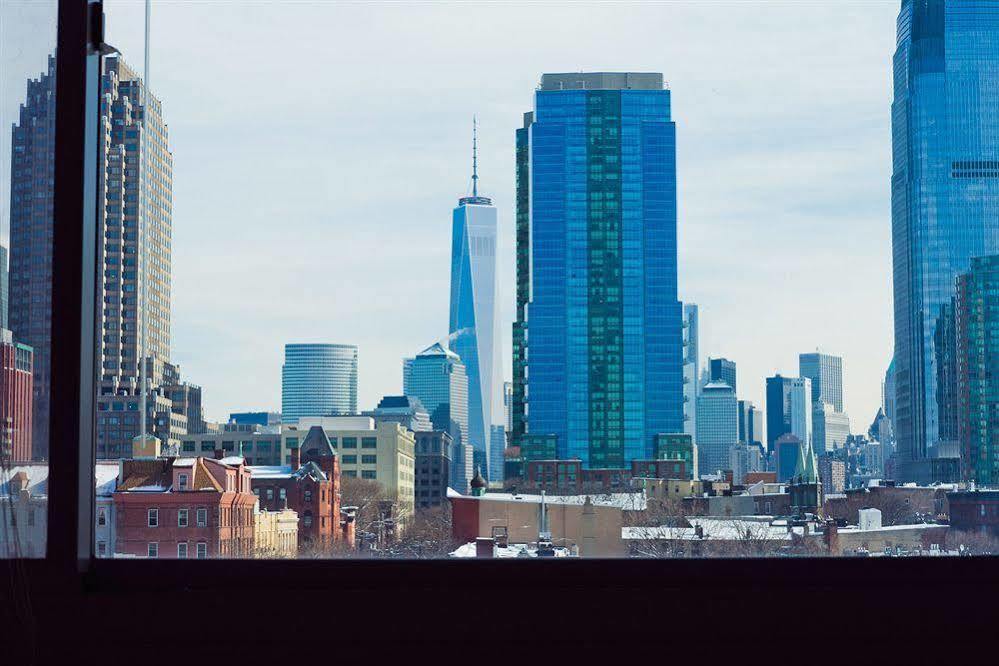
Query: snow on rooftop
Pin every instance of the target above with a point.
(627, 501)
(269, 471)
(184, 462)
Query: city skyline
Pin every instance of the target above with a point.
(358, 288)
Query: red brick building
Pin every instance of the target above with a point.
(184, 508)
(310, 486)
(974, 511)
(16, 386)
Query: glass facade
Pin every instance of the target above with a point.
(945, 190)
(717, 427)
(691, 387)
(826, 373)
(473, 322)
(318, 380)
(603, 346)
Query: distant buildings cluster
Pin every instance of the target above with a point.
(608, 392)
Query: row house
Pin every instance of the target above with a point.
(184, 508)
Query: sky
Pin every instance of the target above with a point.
(319, 148)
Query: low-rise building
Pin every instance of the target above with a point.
(257, 445)
(383, 452)
(974, 511)
(275, 533)
(184, 508)
(433, 467)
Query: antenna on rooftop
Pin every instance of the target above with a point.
(475, 158)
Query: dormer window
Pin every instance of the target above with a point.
(182, 482)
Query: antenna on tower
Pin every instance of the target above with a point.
(475, 158)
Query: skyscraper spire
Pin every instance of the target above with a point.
(475, 158)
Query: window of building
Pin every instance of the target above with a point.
(369, 460)
(181, 517)
(202, 517)
(153, 517)
(270, 493)
(369, 474)
(308, 495)
(307, 519)
(182, 481)
(182, 550)
(350, 442)
(369, 442)
(202, 550)
(153, 549)
(350, 460)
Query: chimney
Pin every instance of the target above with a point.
(485, 547)
(295, 459)
(219, 454)
(832, 537)
(698, 531)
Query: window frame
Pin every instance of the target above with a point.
(71, 544)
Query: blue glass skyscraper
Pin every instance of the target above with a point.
(945, 191)
(599, 324)
(473, 322)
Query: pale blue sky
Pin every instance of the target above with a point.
(319, 148)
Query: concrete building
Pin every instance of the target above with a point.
(434, 450)
(403, 409)
(256, 447)
(519, 517)
(16, 395)
(832, 472)
(318, 380)
(825, 372)
(691, 383)
(717, 426)
(830, 428)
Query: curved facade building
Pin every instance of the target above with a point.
(318, 380)
(945, 192)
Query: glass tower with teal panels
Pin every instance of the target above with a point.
(945, 191)
(602, 340)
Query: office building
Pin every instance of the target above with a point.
(800, 409)
(678, 446)
(778, 408)
(691, 384)
(717, 427)
(434, 450)
(508, 406)
(750, 423)
(405, 410)
(474, 325)
(318, 380)
(4, 324)
(31, 230)
(945, 193)
(976, 326)
(261, 446)
(16, 394)
(826, 374)
(596, 189)
(722, 370)
(436, 376)
(382, 452)
(830, 428)
(786, 452)
(255, 418)
(497, 451)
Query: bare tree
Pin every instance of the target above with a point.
(365, 494)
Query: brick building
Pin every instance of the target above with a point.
(184, 508)
(433, 467)
(16, 386)
(974, 511)
(310, 486)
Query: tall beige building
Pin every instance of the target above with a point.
(136, 228)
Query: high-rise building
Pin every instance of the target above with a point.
(786, 452)
(722, 370)
(508, 406)
(436, 376)
(403, 409)
(497, 449)
(826, 373)
(474, 326)
(31, 231)
(830, 428)
(16, 394)
(976, 332)
(691, 383)
(318, 380)
(800, 409)
(3, 288)
(750, 423)
(778, 409)
(598, 320)
(945, 193)
(717, 427)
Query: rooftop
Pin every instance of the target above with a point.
(602, 81)
(628, 501)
